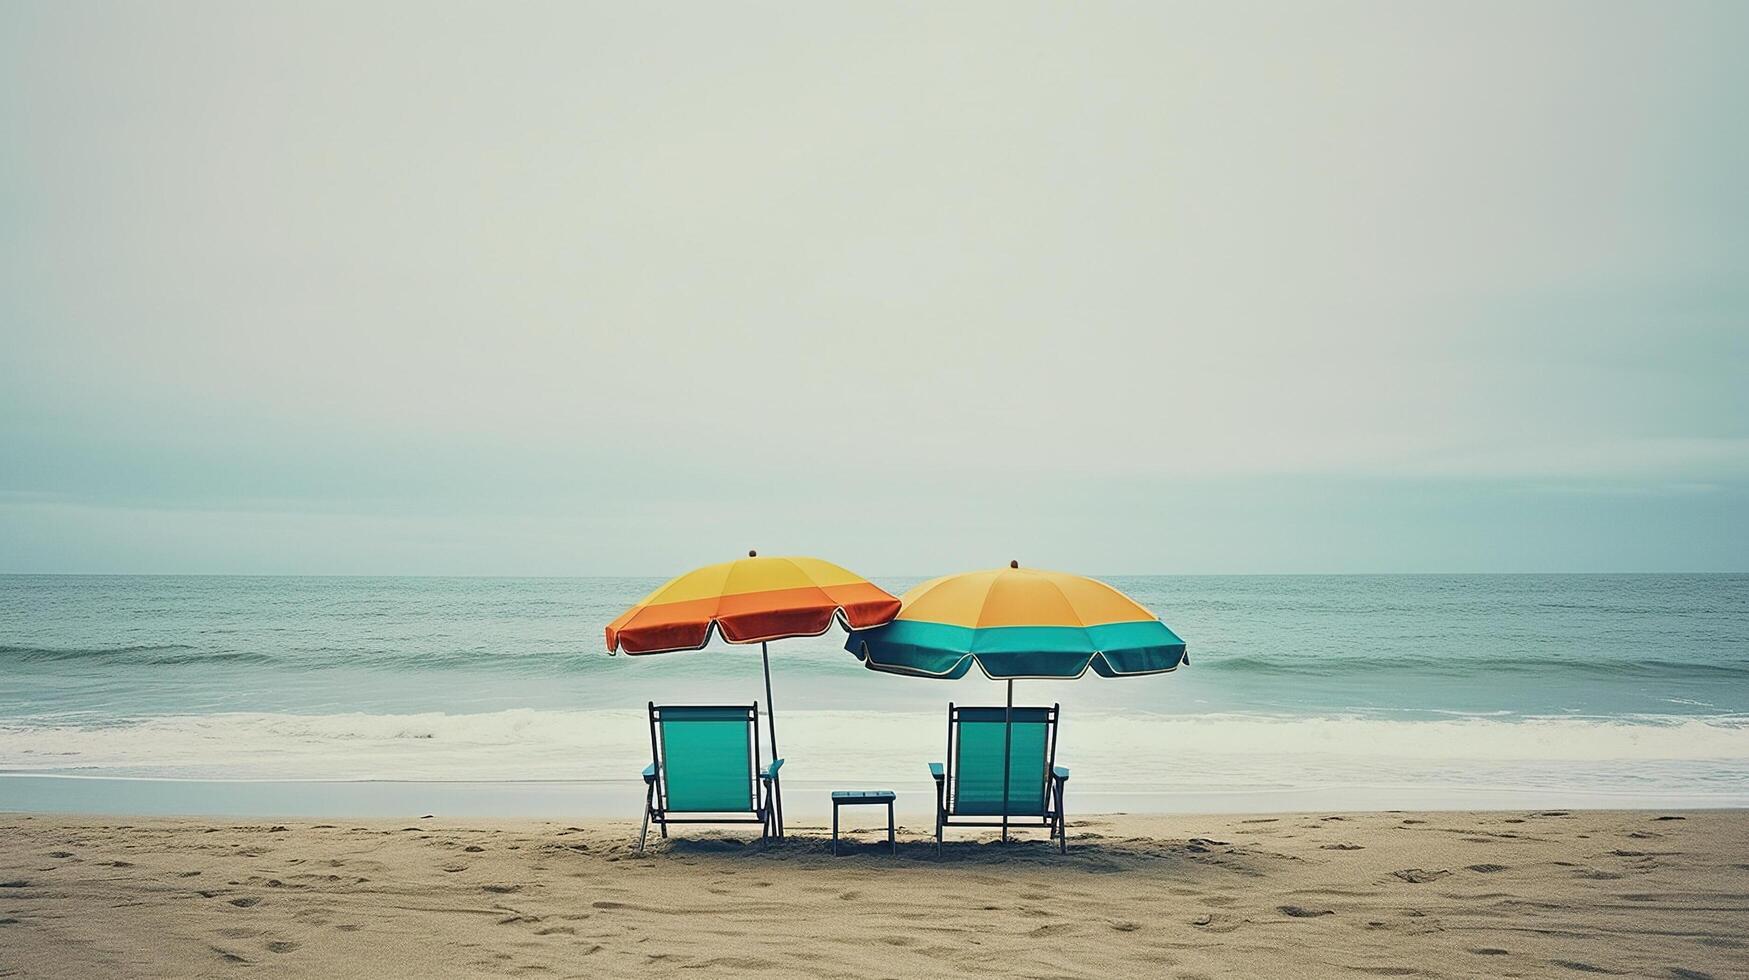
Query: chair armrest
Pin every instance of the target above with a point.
(936, 770)
(1060, 773)
(650, 773)
(771, 770)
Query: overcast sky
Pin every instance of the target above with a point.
(523, 289)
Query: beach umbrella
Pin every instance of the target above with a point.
(750, 600)
(1018, 624)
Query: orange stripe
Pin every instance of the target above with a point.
(749, 617)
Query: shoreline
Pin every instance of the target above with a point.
(1533, 893)
(607, 799)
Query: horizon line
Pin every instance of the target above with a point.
(599, 575)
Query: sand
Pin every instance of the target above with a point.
(1644, 894)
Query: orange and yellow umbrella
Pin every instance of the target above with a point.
(751, 600)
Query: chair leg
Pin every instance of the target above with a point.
(938, 834)
(767, 812)
(777, 799)
(1062, 823)
(643, 832)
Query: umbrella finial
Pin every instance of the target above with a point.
(752, 554)
(1014, 564)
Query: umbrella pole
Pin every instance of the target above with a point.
(1007, 747)
(771, 720)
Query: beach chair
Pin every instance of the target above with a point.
(705, 765)
(970, 788)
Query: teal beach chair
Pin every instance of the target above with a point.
(972, 788)
(705, 765)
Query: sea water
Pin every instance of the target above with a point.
(492, 695)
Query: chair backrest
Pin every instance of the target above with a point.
(706, 757)
(976, 741)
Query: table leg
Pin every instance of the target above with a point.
(892, 838)
(834, 829)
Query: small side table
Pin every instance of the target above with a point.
(864, 797)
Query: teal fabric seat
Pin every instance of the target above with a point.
(706, 768)
(972, 787)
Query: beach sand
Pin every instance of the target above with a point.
(1644, 894)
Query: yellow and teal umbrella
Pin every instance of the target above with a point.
(1018, 623)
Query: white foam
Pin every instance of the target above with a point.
(1170, 754)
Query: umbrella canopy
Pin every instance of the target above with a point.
(1019, 623)
(750, 600)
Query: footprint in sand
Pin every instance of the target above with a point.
(1487, 869)
(230, 957)
(1340, 847)
(238, 933)
(248, 901)
(1301, 912)
(281, 946)
(502, 889)
(1489, 951)
(1417, 876)
(1581, 967)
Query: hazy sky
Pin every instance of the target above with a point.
(523, 289)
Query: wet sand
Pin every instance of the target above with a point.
(1557, 894)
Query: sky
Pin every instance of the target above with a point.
(603, 288)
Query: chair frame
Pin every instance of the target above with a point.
(761, 791)
(1056, 780)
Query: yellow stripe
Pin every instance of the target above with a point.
(747, 575)
(1020, 597)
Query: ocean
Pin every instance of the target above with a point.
(143, 694)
